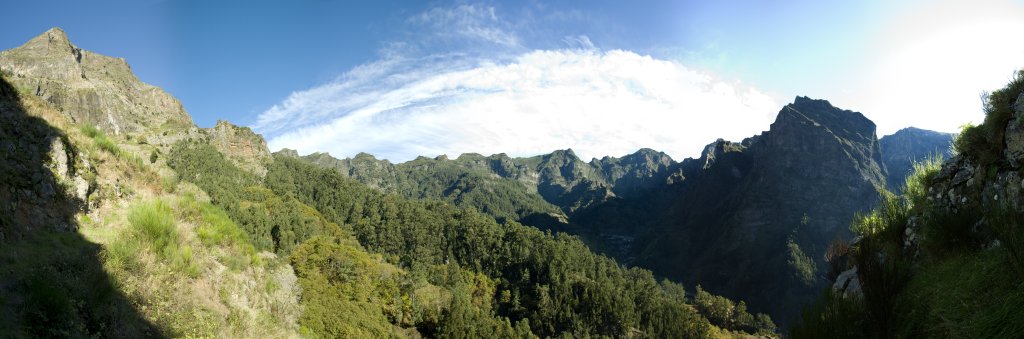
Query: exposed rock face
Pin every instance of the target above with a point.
(1015, 135)
(91, 88)
(902, 149)
(635, 173)
(44, 179)
(241, 145)
(848, 284)
(964, 185)
(746, 213)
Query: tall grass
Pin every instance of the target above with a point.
(831, 316)
(89, 130)
(100, 139)
(1005, 223)
(915, 187)
(881, 266)
(973, 295)
(152, 224)
(216, 229)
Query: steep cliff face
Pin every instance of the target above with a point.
(752, 219)
(91, 88)
(901, 149)
(241, 145)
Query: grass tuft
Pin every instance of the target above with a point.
(153, 224)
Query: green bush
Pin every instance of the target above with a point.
(803, 266)
(155, 221)
(915, 187)
(104, 143)
(882, 267)
(89, 130)
(968, 296)
(1005, 223)
(122, 253)
(154, 224)
(945, 233)
(831, 316)
(983, 144)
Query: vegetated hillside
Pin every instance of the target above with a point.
(130, 232)
(547, 186)
(944, 258)
(749, 219)
(486, 277)
(901, 149)
(98, 241)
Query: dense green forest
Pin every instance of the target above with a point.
(442, 270)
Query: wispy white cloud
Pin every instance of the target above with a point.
(464, 81)
(473, 21)
(595, 102)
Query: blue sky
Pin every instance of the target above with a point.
(400, 79)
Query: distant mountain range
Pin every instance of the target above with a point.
(747, 219)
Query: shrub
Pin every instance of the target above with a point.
(831, 316)
(915, 188)
(1004, 222)
(945, 233)
(122, 253)
(169, 183)
(836, 257)
(89, 130)
(153, 223)
(882, 269)
(983, 144)
(803, 266)
(152, 156)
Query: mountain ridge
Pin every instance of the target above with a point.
(618, 204)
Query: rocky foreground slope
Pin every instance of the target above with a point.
(943, 259)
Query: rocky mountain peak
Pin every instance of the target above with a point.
(363, 156)
(54, 40)
(92, 89)
(816, 113)
(288, 152)
(714, 151)
(901, 149)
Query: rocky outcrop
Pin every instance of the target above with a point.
(634, 174)
(241, 145)
(962, 184)
(1014, 135)
(92, 89)
(44, 179)
(848, 284)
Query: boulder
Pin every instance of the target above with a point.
(848, 284)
